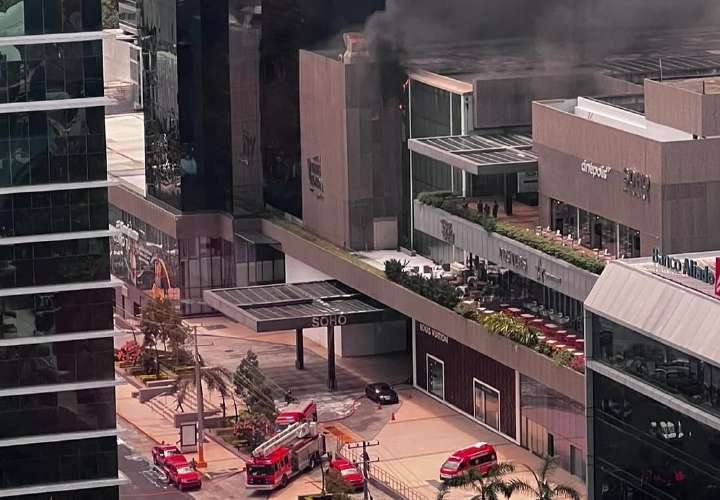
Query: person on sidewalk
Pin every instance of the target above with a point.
(179, 406)
(495, 209)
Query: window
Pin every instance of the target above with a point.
(37, 17)
(487, 404)
(435, 376)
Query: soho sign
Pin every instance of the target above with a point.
(338, 320)
(597, 171)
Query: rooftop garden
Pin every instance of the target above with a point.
(458, 206)
(447, 295)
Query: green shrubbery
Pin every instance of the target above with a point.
(457, 206)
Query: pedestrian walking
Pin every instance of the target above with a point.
(495, 209)
(486, 209)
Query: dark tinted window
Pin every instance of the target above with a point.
(26, 214)
(36, 17)
(111, 493)
(46, 463)
(56, 363)
(57, 412)
(56, 313)
(54, 262)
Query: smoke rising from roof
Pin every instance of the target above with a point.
(567, 31)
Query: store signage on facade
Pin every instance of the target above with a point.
(512, 259)
(422, 327)
(593, 170)
(717, 276)
(636, 183)
(448, 234)
(543, 275)
(315, 175)
(337, 320)
(688, 267)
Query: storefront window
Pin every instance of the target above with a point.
(647, 451)
(487, 404)
(673, 371)
(435, 376)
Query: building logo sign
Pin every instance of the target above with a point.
(637, 184)
(448, 235)
(688, 267)
(717, 276)
(338, 320)
(593, 170)
(315, 175)
(543, 275)
(422, 327)
(512, 259)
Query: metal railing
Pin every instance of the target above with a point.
(380, 476)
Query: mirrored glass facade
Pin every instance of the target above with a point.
(644, 450)
(39, 17)
(42, 72)
(49, 263)
(24, 214)
(53, 412)
(52, 147)
(46, 314)
(187, 106)
(56, 363)
(59, 462)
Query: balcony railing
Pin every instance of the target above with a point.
(535, 237)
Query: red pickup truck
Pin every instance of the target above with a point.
(181, 474)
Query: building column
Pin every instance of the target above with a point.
(332, 384)
(299, 349)
(508, 194)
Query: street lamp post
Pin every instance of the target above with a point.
(200, 405)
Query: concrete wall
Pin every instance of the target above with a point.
(683, 207)
(355, 273)
(116, 58)
(684, 106)
(559, 275)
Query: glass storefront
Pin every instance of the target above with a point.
(685, 377)
(53, 262)
(594, 231)
(553, 424)
(57, 412)
(45, 463)
(38, 17)
(486, 404)
(56, 313)
(56, 363)
(435, 376)
(644, 450)
(24, 214)
(44, 147)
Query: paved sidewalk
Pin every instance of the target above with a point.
(219, 459)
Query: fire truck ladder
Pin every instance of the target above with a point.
(296, 431)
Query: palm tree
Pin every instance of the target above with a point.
(488, 487)
(544, 488)
(216, 378)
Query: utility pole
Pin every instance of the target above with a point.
(365, 462)
(200, 405)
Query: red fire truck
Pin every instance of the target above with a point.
(292, 451)
(302, 411)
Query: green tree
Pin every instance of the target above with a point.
(487, 487)
(110, 15)
(336, 485)
(253, 430)
(252, 387)
(542, 487)
(161, 323)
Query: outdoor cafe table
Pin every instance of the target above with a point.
(514, 311)
(527, 318)
(536, 323)
(551, 329)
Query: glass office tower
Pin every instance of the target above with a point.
(57, 397)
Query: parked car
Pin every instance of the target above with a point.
(181, 474)
(480, 457)
(349, 473)
(162, 452)
(381, 393)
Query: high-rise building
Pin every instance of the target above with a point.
(57, 396)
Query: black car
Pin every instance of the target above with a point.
(381, 393)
